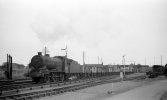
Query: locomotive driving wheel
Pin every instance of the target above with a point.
(46, 78)
(61, 77)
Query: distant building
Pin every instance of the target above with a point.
(18, 71)
(126, 68)
(113, 68)
(141, 68)
(118, 68)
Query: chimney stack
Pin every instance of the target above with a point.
(40, 53)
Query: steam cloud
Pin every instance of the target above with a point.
(86, 22)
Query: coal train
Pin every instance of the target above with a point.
(44, 68)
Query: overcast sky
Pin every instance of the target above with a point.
(105, 28)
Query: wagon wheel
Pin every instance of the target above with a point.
(62, 77)
(52, 77)
(46, 78)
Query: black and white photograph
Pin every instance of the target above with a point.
(83, 50)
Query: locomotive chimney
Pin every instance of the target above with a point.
(40, 53)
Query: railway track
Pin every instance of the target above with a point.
(3, 83)
(15, 85)
(53, 90)
(16, 88)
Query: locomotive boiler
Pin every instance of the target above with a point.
(59, 68)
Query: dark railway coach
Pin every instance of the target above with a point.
(59, 68)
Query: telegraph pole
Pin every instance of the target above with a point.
(45, 50)
(83, 61)
(66, 68)
(124, 63)
(101, 61)
(65, 51)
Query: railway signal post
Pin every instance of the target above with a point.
(9, 67)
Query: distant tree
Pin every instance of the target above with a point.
(4, 66)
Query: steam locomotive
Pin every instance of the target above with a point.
(59, 68)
